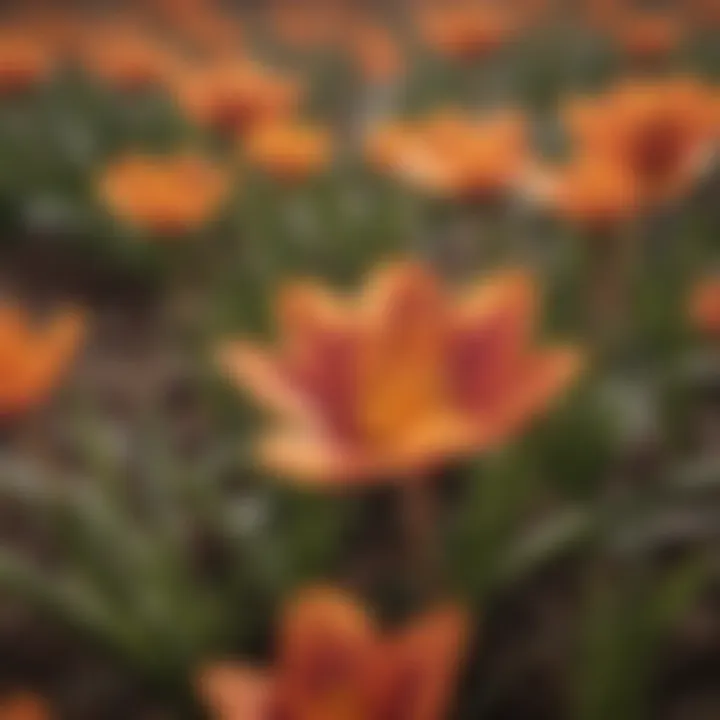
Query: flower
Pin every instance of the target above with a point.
(164, 195)
(590, 191)
(704, 306)
(235, 96)
(467, 32)
(335, 663)
(33, 357)
(455, 156)
(662, 131)
(402, 379)
(289, 152)
(24, 61)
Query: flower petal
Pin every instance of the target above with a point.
(439, 437)
(419, 668)
(308, 459)
(327, 648)
(320, 339)
(304, 309)
(236, 692)
(511, 295)
(546, 376)
(256, 370)
(493, 328)
(401, 366)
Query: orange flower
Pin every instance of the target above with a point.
(705, 306)
(466, 32)
(335, 663)
(661, 131)
(402, 379)
(33, 358)
(235, 97)
(455, 156)
(164, 195)
(291, 153)
(129, 62)
(591, 191)
(24, 61)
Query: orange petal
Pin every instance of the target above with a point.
(546, 376)
(397, 284)
(401, 363)
(236, 692)
(320, 336)
(304, 309)
(259, 372)
(311, 460)
(439, 438)
(512, 294)
(32, 359)
(418, 670)
(493, 327)
(327, 648)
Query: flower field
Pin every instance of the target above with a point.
(360, 360)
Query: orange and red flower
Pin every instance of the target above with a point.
(33, 357)
(165, 196)
(334, 662)
(403, 379)
(235, 96)
(289, 152)
(663, 132)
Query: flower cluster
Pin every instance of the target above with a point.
(487, 176)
